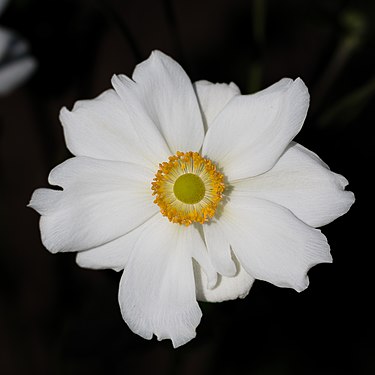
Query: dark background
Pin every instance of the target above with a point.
(56, 318)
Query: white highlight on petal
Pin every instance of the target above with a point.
(227, 288)
(301, 182)
(271, 243)
(157, 288)
(101, 201)
(213, 97)
(164, 94)
(261, 127)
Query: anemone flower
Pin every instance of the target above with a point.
(193, 190)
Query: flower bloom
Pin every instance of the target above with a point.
(194, 190)
(16, 65)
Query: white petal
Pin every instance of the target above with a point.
(113, 254)
(271, 243)
(213, 97)
(15, 73)
(301, 182)
(280, 86)
(101, 201)
(157, 289)
(165, 96)
(227, 288)
(261, 127)
(200, 254)
(103, 128)
(219, 249)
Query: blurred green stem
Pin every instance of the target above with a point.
(123, 27)
(170, 16)
(348, 108)
(354, 24)
(258, 21)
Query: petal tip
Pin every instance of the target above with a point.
(178, 343)
(66, 117)
(351, 198)
(212, 281)
(300, 84)
(303, 286)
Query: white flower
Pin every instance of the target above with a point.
(194, 190)
(16, 65)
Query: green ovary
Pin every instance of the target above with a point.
(189, 188)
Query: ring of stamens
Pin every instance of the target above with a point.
(187, 188)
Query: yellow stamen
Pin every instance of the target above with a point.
(188, 188)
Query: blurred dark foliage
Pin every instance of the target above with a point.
(56, 318)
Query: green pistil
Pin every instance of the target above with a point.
(189, 188)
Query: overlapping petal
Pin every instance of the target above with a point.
(101, 201)
(227, 288)
(301, 182)
(219, 249)
(261, 127)
(111, 255)
(157, 289)
(162, 93)
(271, 243)
(213, 97)
(104, 128)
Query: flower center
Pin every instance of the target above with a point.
(188, 188)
